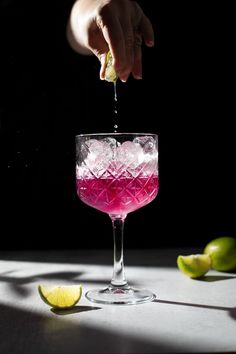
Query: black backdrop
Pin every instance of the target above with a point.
(50, 94)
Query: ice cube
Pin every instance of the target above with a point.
(99, 154)
(94, 147)
(87, 148)
(130, 154)
(147, 143)
(113, 144)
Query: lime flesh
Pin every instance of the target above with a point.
(60, 297)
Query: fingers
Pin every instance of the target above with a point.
(144, 31)
(136, 27)
(120, 38)
(114, 36)
(137, 65)
(123, 29)
(119, 35)
(129, 39)
(147, 31)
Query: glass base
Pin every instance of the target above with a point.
(120, 296)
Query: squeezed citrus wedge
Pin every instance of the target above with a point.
(194, 265)
(110, 73)
(60, 297)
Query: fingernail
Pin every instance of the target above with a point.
(150, 43)
(138, 77)
(123, 77)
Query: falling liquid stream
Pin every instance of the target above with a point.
(115, 108)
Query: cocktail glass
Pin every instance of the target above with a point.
(117, 174)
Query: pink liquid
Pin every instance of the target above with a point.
(117, 196)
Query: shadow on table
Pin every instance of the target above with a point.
(212, 278)
(75, 309)
(231, 310)
(17, 284)
(58, 334)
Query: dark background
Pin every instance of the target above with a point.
(49, 94)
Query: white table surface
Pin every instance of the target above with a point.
(197, 316)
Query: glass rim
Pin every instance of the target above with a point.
(115, 134)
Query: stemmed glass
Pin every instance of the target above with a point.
(117, 174)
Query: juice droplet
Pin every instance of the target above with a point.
(115, 108)
(111, 76)
(115, 92)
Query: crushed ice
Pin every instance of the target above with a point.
(136, 155)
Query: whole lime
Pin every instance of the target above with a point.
(222, 251)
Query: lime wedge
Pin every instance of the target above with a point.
(194, 265)
(60, 297)
(110, 73)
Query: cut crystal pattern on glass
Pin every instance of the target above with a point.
(118, 178)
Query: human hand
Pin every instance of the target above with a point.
(97, 26)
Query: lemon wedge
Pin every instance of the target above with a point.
(110, 73)
(60, 297)
(194, 265)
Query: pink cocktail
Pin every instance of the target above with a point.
(117, 196)
(117, 174)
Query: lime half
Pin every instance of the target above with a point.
(194, 265)
(60, 297)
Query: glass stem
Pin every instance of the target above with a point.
(118, 278)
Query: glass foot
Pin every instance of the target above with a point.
(120, 296)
